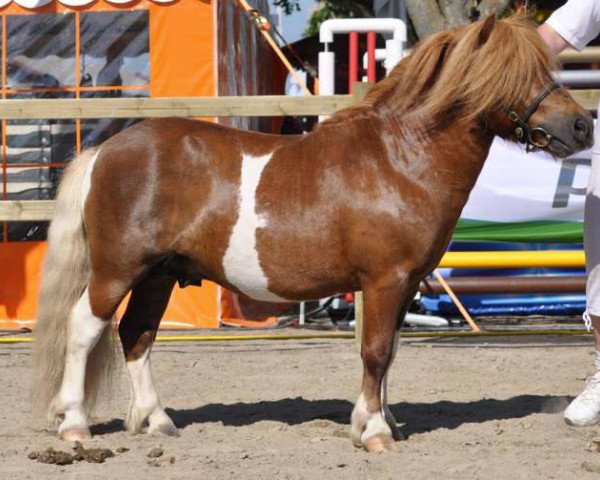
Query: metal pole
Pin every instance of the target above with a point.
(577, 78)
(302, 315)
(371, 41)
(488, 284)
(353, 62)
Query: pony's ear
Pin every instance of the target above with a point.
(486, 29)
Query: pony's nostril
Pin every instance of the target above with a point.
(581, 130)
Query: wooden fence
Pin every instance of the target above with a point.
(256, 106)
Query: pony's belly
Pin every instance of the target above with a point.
(241, 260)
(253, 288)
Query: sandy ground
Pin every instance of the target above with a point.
(485, 408)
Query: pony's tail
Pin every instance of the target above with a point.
(65, 277)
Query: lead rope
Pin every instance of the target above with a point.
(264, 27)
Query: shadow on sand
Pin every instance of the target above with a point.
(415, 417)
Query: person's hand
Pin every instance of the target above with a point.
(556, 43)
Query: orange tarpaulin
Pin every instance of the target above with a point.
(182, 63)
(21, 267)
(182, 50)
(183, 44)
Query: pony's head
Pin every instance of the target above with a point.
(514, 62)
(497, 71)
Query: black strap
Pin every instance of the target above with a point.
(524, 131)
(533, 107)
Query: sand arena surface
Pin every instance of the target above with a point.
(476, 408)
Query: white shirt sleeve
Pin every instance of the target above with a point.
(577, 21)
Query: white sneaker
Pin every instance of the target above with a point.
(585, 409)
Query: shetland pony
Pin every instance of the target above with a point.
(367, 201)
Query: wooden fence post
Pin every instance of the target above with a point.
(358, 318)
(360, 91)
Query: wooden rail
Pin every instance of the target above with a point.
(26, 210)
(254, 106)
(587, 55)
(587, 98)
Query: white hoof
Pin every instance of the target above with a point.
(161, 424)
(158, 422)
(380, 444)
(71, 421)
(371, 429)
(76, 434)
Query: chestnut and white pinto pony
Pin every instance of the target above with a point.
(367, 201)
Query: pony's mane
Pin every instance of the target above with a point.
(466, 70)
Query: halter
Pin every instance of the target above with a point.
(534, 138)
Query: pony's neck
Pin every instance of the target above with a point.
(453, 150)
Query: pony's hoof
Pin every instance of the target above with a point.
(164, 426)
(76, 435)
(355, 434)
(163, 429)
(380, 444)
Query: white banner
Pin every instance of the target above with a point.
(515, 186)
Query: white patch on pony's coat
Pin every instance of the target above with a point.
(144, 394)
(365, 425)
(241, 263)
(84, 330)
(144, 400)
(87, 179)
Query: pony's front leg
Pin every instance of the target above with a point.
(137, 330)
(387, 413)
(384, 301)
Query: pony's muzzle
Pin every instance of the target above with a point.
(568, 134)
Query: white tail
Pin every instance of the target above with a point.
(65, 277)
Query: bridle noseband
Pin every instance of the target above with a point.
(534, 138)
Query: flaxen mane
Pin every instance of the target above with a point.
(475, 68)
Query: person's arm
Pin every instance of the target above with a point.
(574, 24)
(556, 43)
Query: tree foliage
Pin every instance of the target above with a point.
(338, 9)
(327, 9)
(430, 16)
(427, 16)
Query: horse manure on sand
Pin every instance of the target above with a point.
(155, 452)
(81, 454)
(53, 457)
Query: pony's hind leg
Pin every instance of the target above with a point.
(373, 425)
(85, 329)
(137, 330)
